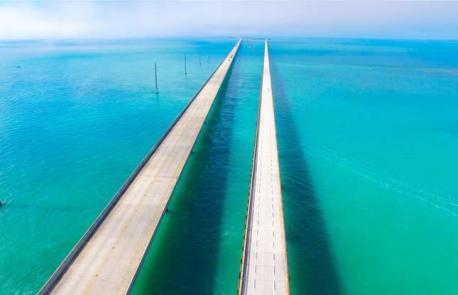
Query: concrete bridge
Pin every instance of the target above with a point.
(264, 268)
(108, 256)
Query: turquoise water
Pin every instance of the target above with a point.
(75, 120)
(368, 139)
(198, 246)
(367, 133)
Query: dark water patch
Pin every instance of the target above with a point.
(310, 258)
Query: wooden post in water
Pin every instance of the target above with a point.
(185, 69)
(155, 77)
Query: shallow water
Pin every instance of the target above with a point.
(75, 120)
(367, 135)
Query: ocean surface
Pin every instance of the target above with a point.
(368, 141)
(367, 134)
(75, 120)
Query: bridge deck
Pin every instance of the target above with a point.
(106, 259)
(264, 262)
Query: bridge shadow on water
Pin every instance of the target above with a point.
(183, 255)
(311, 262)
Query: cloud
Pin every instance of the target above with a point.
(22, 21)
(111, 19)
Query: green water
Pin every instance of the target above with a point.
(368, 139)
(198, 247)
(367, 133)
(76, 118)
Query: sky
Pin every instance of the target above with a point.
(140, 19)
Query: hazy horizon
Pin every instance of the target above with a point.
(27, 20)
